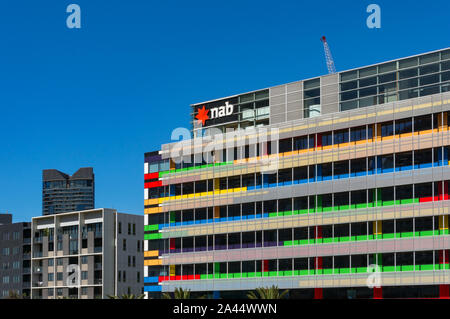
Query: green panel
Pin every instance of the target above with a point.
(361, 269)
(426, 267)
(344, 270)
(288, 243)
(251, 274)
(151, 227)
(304, 272)
(388, 268)
(258, 274)
(304, 241)
(288, 273)
(344, 239)
(388, 203)
(361, 237)
(210, 276)
(388, 236)
(152, 236)
(288, 213)
(407, 201)
(216, 276)
(312, 241)
(273, 214)
(328, 271)
(353, 270)
(203, 276)
(296, 272)
(312, 272)
(352, 238)
(244, 274)
(273, 273)
(407, 234)
(327, 240)
(319, 271)
(265, 274)
(408, 268)
(327, 209)
(364, 205)
(319, 240)
(344, 207)
(223, 276)
(303, 211)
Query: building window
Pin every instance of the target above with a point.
(129, 261)
(59, 291)
(59, 262)
(120, 228)
(59, 276)
(5, 236)
(50, 292)
(129, 229)
(5, 251)
(84, 275)
(134, 261)
(84, 291)
(84, 260)
(16, 235)
(138, 245)
(6, 279)
(138, 277)
(51, 276)
(16, 250)
(124, 245)
(124, 276)
(119, 276)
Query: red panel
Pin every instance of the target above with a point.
(318, 232)
(190, 277)
(197, 277)
(265, 265)
(319, 140)
(177, 277)
(318, 263)
(172, 243)
(153, 184)
(444, 291)
(318, 293)
(443, 260)
(425, 199)
(378, 293)
(151, 176)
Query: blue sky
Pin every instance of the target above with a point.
(104, 94)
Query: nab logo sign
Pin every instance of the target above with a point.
(216, 112)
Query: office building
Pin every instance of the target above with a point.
(64, 193)
(87, 254)
(344, 194)
(15, 258)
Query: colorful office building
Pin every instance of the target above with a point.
(344, 194)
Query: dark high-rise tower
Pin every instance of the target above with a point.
(64, 193)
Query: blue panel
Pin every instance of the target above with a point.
(150, 279)
(266, 215)
(249, 188)
(361, 173)
(152, 288)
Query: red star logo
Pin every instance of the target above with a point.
(202, 115)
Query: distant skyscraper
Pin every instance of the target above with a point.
(64, 193)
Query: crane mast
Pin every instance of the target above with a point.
(328, 57)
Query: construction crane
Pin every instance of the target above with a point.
(328, 57)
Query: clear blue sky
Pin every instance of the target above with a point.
(103, 95)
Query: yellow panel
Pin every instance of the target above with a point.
(153, 262)
(151, 253)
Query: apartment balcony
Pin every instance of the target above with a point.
(26, 270)
(37, 254)
(97, 249)
(38, 240)
(97, 281)
(27, 241)
(98, 266)
(37, 270)
(38, 284)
